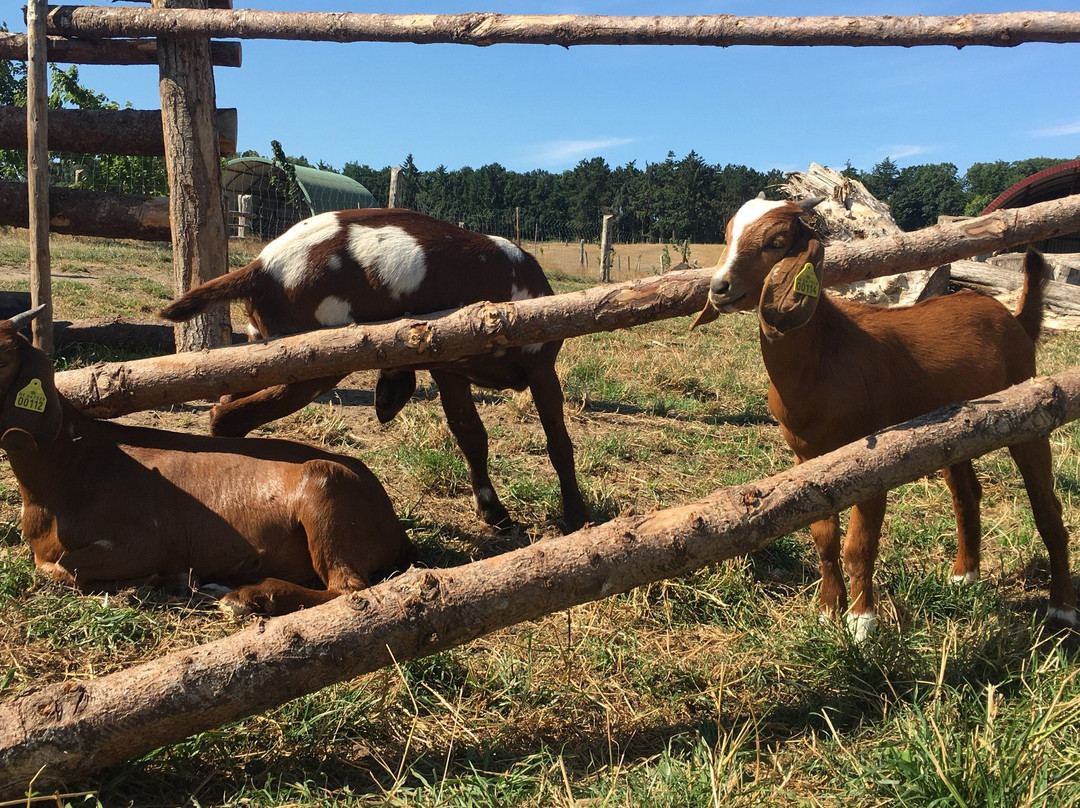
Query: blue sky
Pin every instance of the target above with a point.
(544, 107)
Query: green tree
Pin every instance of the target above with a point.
(883, 180)
(925, 192)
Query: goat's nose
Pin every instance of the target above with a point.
(719, 287)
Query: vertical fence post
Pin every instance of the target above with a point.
(37, 171)
(605, 249)
(394, 200)
(200, 240)
(583, 259)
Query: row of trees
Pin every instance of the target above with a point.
(677, 199)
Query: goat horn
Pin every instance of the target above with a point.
(19, 320)
(810, 203)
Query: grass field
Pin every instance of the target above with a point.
(718, 688)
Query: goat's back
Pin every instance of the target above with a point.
(881, 366)
(369, 265)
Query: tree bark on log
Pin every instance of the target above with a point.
(134, 132)
(107, 390)
(1003, 30)
(196, 200)
(90, 213)
(68, 731)
(109, 52)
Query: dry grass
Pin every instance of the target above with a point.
(718, 688)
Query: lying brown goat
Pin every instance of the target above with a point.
(839, 370)
(107, 504)
(362, 266)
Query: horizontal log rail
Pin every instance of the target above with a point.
(107, 390)
(70, 730)
(102, 214)
(1002, 29)
(135, 132)
(109, 52)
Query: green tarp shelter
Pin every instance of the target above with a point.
(258, 199)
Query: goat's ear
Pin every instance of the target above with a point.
(17, 440)
(31, 403)
(791, 292)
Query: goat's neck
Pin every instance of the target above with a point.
(794, 360)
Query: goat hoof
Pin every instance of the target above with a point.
(1063, 616)
(861, 626)
(965, 579)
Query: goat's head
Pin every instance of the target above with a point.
(31, 405)
(764, 265)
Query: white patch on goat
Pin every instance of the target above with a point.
(749, 213)
(394, 256)
(253, 332)
(286, 258)
(520, 293)
(334, 311)
(512, 251)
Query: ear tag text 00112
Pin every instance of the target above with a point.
(31, 397)
(806, 282)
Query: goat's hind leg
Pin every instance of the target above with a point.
(1035, 462)
(548, 396)
(966, 494)
(455, 393)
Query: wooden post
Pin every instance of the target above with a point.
(37, 171)
(605, 249)
(583, 261)
(196, 202)
(394, 200)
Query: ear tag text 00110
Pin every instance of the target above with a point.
(806, 282)
(31, 397)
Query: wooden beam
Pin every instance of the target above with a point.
(197, 206)
(90, 213)
(65, 732)
(37, 172)
(135, 132)
(1002, 30)
(109, 52)
(107, 390)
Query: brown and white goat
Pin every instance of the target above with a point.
(840, 370)
(106, 504)
(357, 266)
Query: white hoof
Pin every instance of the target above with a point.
(861, 626)
(966, 578)
(1064, 616)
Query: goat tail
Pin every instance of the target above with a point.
(1029, 310)
(233, 285)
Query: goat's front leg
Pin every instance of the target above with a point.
(236, 418)
(966, 493)
(860, 555)
(455, 393)
(833, 597)
(548, 396)
(273, 596)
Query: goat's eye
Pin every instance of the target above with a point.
(778, 243)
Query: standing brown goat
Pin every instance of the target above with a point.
(840, 370)
(106, 504)
(357, 266)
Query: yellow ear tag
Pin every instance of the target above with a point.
(31, 397)
(806, 282)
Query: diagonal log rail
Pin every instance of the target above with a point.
(1004, 29)
(108, 390)
(68, 731)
